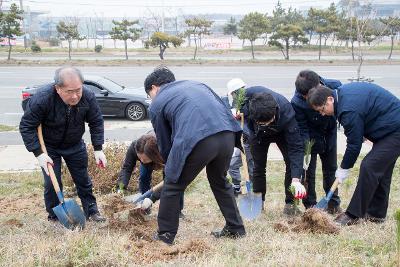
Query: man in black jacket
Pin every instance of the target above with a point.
(271, 119)
(62, 108)
(322, 130)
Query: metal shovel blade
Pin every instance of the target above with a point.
(250, 205)
(322, 204)
(70, 214)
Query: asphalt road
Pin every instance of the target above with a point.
(279, 78)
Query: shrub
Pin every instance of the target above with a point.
(35, 47)
(98, 48)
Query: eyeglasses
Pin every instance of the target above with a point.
(322, 108)
(73, 91)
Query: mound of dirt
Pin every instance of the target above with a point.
(123, 216)
(313, 220)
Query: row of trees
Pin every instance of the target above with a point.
(287, 28)
(284, 29)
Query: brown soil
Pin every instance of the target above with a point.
(26, 205)
(313, 220)
(123, 216)
(13, 223)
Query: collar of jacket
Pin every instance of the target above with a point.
(335, 95)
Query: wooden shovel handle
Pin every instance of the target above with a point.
(158, 186)
(334, 185)
(49, 166)
(243, 155)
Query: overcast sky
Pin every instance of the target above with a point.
(139, 8)
(134, 8)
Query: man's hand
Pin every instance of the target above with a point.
(305, 164)
(43, 160)
(101, 160)
(146, 204)
(299, 190)
(342, 174)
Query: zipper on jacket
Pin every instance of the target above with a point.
(67, 119)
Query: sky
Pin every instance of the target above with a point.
(140, 8)
(134, 8)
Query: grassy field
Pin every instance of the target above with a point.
(5, 128)
(28, 239)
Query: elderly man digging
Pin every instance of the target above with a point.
(62, 108)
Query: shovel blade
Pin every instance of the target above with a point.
(70, 214)
(322, 204)
(250, 205)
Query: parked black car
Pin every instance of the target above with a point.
(114, 99)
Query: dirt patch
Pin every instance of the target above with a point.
(26, 205)
(123, 216)
(13, 223)
(313, 220)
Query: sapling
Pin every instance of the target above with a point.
(308, 144)
(240, 99)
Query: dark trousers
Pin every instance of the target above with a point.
(76, 158)
(259, 151)
(329, 166)
(372, 191)
(214, 153)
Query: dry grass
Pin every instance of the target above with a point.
(27, 239)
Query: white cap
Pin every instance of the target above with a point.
(234, 85)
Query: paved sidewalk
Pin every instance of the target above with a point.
(17, 158)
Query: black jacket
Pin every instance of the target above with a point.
(60, 130)
(284, 125)
(313, 125)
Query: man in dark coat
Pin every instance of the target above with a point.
(271, 119)
(365, 110)
(194, 130)
(322, 131)
(62, 108)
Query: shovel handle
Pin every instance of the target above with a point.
(52, 175)
(243, 155)
(334, 185)
(148, 193)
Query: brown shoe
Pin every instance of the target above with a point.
(373, 219)
(334, 209)
(345, 220)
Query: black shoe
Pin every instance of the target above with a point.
(227, 233)
(96, 217)
(52, 218)
(343, 219)
(166, 238)
(334, 209)
(373, 219)
(291, 210)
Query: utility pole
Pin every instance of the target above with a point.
(23, 23)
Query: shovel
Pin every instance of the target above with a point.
(250, 203)
(136, 198)
(323, 203)
(68, 212)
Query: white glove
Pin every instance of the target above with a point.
(305, 164)
(342, 174)
(146, 203)
(44, 159)
(101, 160)
(299, 189)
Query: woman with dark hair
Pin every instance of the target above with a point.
(145, 151)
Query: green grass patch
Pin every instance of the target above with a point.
(20, 183)
(6, 128)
